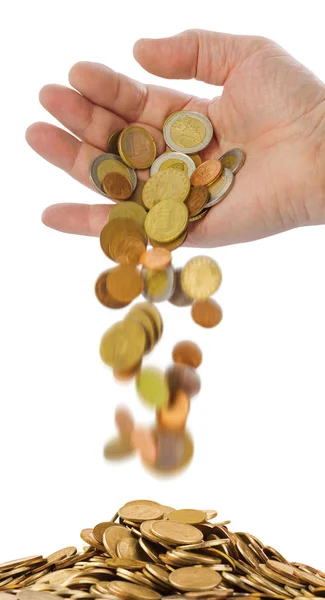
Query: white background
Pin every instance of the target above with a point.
(258, 423)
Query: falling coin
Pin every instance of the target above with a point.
(201, 277)
(183, 377)
(173, 417)
(187, 353)
(152, 387)
(206, 313)
(158, 285)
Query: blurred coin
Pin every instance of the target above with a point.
(183, 377)
(118, 448)
(122, 346)
(123, 240)
(233, 159)
(206, 313)
(220, 188)
(144, 442)
(179, 298)
(170, 185)
(197, 200)
(126, 375)
(194, 578)
(105, 163)
(173, 416)
(196, 159)
(158, 285)
(138, 315)
(103, 294)
(128, 210)
(187, 353)
(206, 173)
(125, 283)
(112, 146)
(124, 422)
(152, 387)
(154, 314)
(201, 277)
(170, 245)
(166, 221)
(177, 160)
(137, 147)
(156, 259)
(117, 186)
(188, 132)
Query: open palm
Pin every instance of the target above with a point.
(271, 107)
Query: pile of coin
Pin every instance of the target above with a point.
(166, 447)
(155, 551)
(181, 188)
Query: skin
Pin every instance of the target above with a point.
(271, 106)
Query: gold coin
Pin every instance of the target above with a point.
(123, 345)
(132, 591)
(171, 185)
(103, 294)
(100, 529)
(128, 210)
(194, 579)
(112, 536)
(126, 563)
(188, 515)
(60, 554)
(138, 315)
(175, 533)
(166, 221)
(174, 163)
(112, 142)
(110, 165)
(171, 245)
(122, 240)
(137, 147)
(197, 159)
(125, 283)
(201, 277)
(154, 314)
(118, 448)
(130, 548)
(137, 194)
(153, 390)
(141, 510)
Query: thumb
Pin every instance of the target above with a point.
(203, 55)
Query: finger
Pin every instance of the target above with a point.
(89, 122)
(127, 98)
(203, 55)
(63, 150)
(66, 152)
(81, 219)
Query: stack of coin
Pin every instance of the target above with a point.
(155, 551)
(181, 188)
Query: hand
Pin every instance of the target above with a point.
(271, 107)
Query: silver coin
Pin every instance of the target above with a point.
(220, 188)
(107, 156)
(168, 289)
(233, 160)
(195, 141)
(172, 155)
